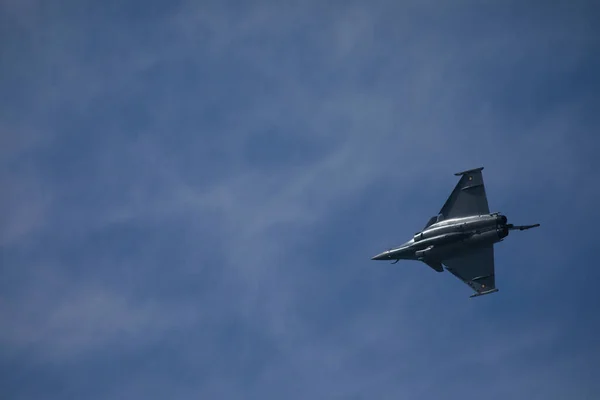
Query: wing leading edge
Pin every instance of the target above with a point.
(468, 197)
(476, 269)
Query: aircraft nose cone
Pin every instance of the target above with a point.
(382, 256)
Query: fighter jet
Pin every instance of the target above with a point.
(461, 237)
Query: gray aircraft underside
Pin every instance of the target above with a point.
(461, 237)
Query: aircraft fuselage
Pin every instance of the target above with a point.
(448, 238)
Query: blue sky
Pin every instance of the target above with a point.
(192, 192)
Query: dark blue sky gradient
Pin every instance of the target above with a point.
(192, 192)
